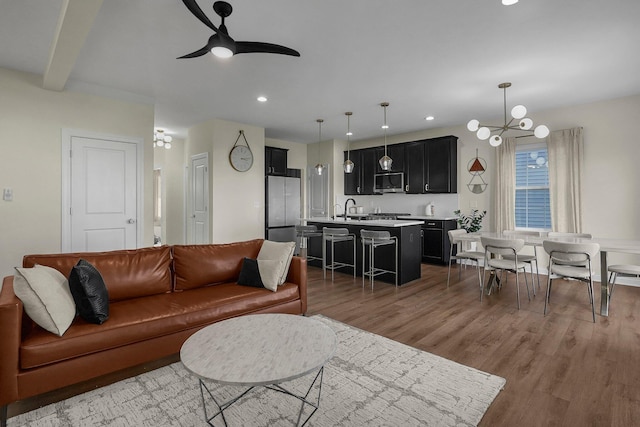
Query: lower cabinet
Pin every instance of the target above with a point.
(435, 240)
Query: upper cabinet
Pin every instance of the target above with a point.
(431, 166)
(275, 161)
(361, 180)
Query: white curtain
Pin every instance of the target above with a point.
(565, 148)
(504, 205)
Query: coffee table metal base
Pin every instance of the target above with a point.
(304, 399)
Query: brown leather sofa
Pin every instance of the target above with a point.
(158, 298)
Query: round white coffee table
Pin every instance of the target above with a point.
(259, 350)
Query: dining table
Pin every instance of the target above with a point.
(607, 245)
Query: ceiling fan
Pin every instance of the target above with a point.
(221, 44)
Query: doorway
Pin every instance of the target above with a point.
(199, 199)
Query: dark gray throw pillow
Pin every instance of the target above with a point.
(249, 274)
(89, 292)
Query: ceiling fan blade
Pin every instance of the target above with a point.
(198, 13)
(250, 47)
(197, 53)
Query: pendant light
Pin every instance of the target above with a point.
(319, 167)
(348, 164)
(385, 161)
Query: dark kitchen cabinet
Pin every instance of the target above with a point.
(435, 240)
(361, 180)
(275, 161)
(431, 166)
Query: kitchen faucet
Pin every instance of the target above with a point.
(345, 207)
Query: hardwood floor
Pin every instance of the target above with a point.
(561, 370)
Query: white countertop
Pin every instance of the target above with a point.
(425, 217)
(368, 222)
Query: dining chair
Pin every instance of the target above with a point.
(502, 247)
(627, 270)
(570, 261)
(561, 235)
(455, 240)
(526, 258)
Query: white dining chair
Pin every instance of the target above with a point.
(502, 247)
(455, 240)
(530, 259)
(570, 261)
(627, 270)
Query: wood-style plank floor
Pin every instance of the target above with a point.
(561, 370)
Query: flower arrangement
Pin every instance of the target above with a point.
(471, 223)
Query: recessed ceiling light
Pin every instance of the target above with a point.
(429, 118)
(509, 2)
(262, 98)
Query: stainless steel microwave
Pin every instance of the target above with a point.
(392, 182)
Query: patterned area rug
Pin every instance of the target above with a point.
(371, 381)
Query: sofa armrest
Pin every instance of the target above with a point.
(11, 330)
(298, 275)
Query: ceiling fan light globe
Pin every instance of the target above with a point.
(473, 125)
(167, 145)
(222, 52)
(526, 123)
(541, 131)
(483, 133)
(518, 112)
(160, 143)
(495, 140)
(168, 138)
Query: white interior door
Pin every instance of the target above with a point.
(103, 194)
(200, 198)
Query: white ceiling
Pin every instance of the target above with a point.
(425, 57)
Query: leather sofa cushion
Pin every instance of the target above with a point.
(201, 265)
(126, 273)
(139, 319)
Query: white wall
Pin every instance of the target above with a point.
(31, 120)
(236, 198)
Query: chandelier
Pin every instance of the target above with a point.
(518, 122)
(385, 161)
(348, 164)
(162, 140)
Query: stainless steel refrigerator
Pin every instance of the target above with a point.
(282, 208)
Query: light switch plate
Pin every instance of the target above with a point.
(7, 194)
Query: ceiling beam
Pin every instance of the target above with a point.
(74, 23)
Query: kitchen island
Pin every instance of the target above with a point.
(409, 246)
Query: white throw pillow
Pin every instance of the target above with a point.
(45, 293)
(270, 273)
(278, 251)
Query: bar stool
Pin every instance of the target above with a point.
(304, 233)
(376, 239)
(336, 235)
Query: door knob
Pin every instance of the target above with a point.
(131, 221)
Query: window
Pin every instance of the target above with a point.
(532, 187)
